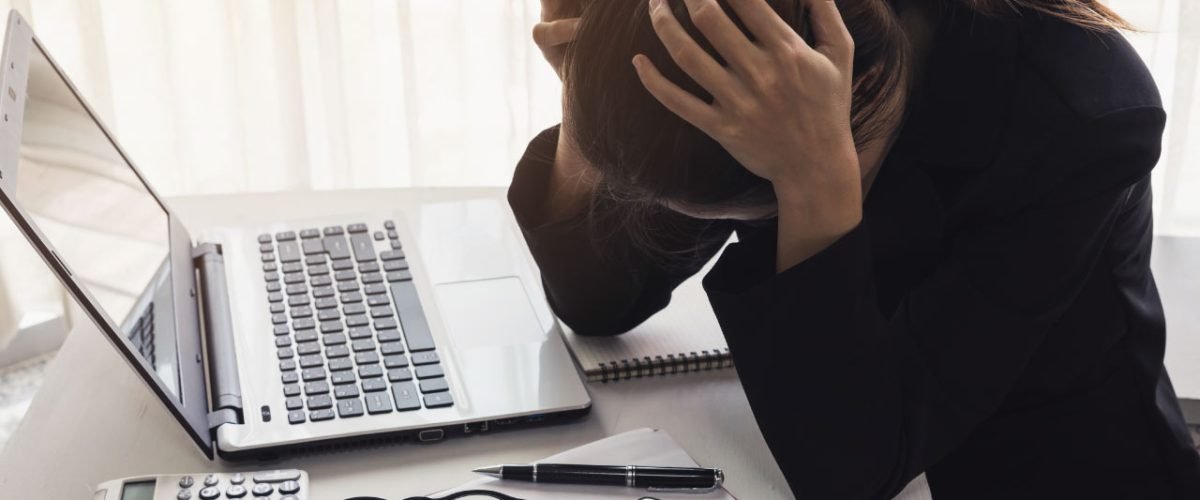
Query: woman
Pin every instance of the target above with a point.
(944, 224)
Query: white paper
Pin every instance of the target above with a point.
(636, 447)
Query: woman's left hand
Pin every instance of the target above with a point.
(780, 107)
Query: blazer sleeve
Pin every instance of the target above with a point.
(597, 279)
(854, 403)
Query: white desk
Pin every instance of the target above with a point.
(95, 420)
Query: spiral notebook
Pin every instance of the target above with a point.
(683, 337)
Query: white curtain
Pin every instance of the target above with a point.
(264, 95)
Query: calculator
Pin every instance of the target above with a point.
(285, 484)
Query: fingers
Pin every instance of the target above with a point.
(721, 32)
(762, 21)
(675, 99)
(829, 31)
(684, 50)
(554, 33)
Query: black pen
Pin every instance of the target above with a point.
(691, 479)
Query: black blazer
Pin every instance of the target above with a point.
(993, 322)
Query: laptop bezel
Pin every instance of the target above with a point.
(192, 407)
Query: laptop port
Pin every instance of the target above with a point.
(506, 421)
(430, 435)
(533, 419)
(475, 427)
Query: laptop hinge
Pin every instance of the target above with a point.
(225, 388)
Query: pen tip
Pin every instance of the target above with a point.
(493, 471)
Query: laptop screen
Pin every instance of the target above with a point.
(102, 220)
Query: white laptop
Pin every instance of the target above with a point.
(296, 336)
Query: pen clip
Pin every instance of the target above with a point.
(718, 479)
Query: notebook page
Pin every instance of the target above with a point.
(636, 447)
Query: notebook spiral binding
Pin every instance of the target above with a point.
(647, 366)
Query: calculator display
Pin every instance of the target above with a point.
(142, 490)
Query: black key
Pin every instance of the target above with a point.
(283, 341)
(369, 267)
(429, 371)
(375, 289)
(366, 358)
(405, 396)
(296, 289)
(289, 251)
(346, 391)
(281, 330)
(374, 384)
(310, 233)
(296, 417)
(322, 387)
(363, 345)
(321, 415)
(271, 276)
(378, 235)
(378, 402)
(434, 385)
(331, 230)
(438, 400)
(391, 348)
(322, 292)
(334, 339)
(320, 281)
(286, 236)
(350, 408)
(342, 264)
(387, 224)
(331, 326)
(314, 247)
(354, 309)
(326, 303)
(290, 390)
(391, 234)
(287, 365)
(364, 249)
(294, 403)
(277, 307)
(343, 377)
(285, 353)
(320, 402)
(318, 259)
(311, 361)
(347, 275)
(360, 332)
(347, 286)
(306, 335)
(264, 238)
(399, 375)
(318, 270)
(306, 348)
(289, 378)
(304, 324)
(268, 257)
(370, 371)
(369, 278)
(293, 267)
(424, 358)
(337, 351)
(388, 335)
(412, 316)
(357, 320)
(395, 265)
(356, 228)
(302, 312)
(396, 245)
(381, 312)
(297, 301)
(279, 319)
(270, 266)
(395, 361)
(293, 278)
(395, 276)
(273, 289)
(339, 364)
(352, 298)
(388, 323)
(336, 247)
(379, 300)
(266, 247)
(391, 255)
(311, 374)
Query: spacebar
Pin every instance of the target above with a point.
(412, 316)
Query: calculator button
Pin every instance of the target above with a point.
(276, 476)
(236, 491)
(262, 490)
(184, 495)
(289, 497)
(289, 487)
(186, 482)
(211, 480)
(209, 493)
(237, 478)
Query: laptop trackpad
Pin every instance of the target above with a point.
(488, 313)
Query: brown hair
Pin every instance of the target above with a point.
(1090, 14)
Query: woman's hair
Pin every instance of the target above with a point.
(646, 155)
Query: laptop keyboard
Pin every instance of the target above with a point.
(141, 335)
(350, 332)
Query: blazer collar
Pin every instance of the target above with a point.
(964, 98)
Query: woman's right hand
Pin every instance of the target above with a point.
(559, 24)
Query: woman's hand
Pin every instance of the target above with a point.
(559, 24)
(781, 108)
